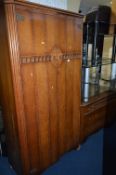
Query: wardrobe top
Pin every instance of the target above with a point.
(42, 7)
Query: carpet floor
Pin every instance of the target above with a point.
(96, 156)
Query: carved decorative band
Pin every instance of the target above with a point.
(47, 58)
(35, 59)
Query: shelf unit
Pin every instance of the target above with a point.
(98, 92)
(93, 51)
(96, 55)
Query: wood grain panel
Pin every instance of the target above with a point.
(56, 38)
(97, 113)
(38, 25)
(74, 33)
(53, 110)
(62, 36)
(43, 111)
(9, 68)
(41, 51)
(69, 104)
(76, 100)
(43, 29)
(24, 28)
(56, 93)
(51, 33)
(69, 34)
(77, 34)
(61, 91)
(28, 83)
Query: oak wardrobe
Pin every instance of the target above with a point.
(40, 70)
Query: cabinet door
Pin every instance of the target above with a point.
(86, 118)
(50, 71)
(99, 118)
(93, 117)
(100, 111)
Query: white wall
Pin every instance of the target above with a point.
(71, 5)
(53, 3)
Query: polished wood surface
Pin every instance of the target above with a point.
(7, 94)
(99, 112)
(43, 47)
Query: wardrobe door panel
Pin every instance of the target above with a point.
(39, 32)
(50, 62)
(29, 94)
(36, 96)
(76, 101)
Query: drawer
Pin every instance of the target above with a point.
(93, 121)
(86, 110)
(90, 130)
(97, 114)
(100, 104)
(94, 127)
(88, 119)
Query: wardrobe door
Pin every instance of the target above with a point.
(50, 58)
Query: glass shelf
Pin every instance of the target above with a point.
(99, 58)
(104, 61)
(91, 90)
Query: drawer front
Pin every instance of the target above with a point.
(93, 127)
(100, 104)
(93, 118)
(86, 110)
(94, 115)
(97, 114)
(85, 124)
